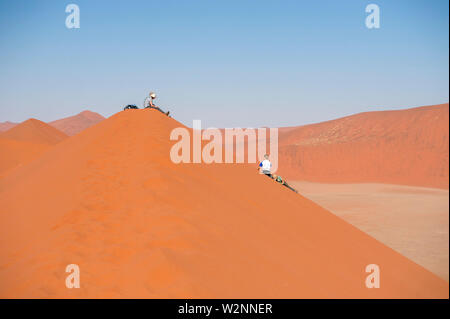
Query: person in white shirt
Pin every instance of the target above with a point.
(148, 103)
(266, 166)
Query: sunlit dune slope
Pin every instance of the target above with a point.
(14, 153)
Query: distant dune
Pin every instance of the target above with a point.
(26, 141)
(139, 226)
(21, 143)
(34, 131)
(69, 125)
(4, 126)
(409, 147)
(74, 124)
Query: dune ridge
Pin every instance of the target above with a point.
(139, 226)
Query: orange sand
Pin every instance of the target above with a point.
(110, 200)
(34, 131)
(25, 142)
(74, 124)
(4, 126)
(14, 153)
(408, 147)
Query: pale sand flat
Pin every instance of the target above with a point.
(412, 220)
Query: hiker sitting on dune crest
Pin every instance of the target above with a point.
(148, 103)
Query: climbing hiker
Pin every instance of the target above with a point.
(148, 103)
(280, 180)
(265, 166)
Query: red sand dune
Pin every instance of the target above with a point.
(408, 147)
(4, 126)
(25, 142)
(34, 131)
(74, 124)
(14, 153)
(111, 201)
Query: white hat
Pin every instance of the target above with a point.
(153, 94)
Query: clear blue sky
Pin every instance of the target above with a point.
(227, 63)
